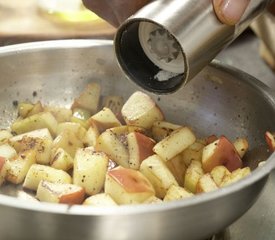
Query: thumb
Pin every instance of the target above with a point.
(230, 11)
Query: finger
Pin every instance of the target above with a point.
(230, 11)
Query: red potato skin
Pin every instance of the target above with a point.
(269, 138)
(145, 146)
(211, 138)
(73, 198)
(226, 155)
(131, 180)
(2, 162)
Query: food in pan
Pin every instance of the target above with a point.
(104, 152)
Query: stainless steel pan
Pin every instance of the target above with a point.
(219, 100)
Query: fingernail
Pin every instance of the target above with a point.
(230, 11)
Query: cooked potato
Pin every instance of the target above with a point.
(73, 127)
(91, 136)
(39, 172)
(100, 200)
(176, 193)
(175, 143)
(5, 135)
(219, 173)
(36, 121)
(193, 152)
(128, 186)
(89, 98)
(104, 119)
(90, 168)
(235, 176)
(241, 145)
(193, 173)
(68, 141)
(206, 184)
(162, 129)
(155, 169)
(62, 160)
(60, 193)
(141, 111)
(61, 114)
(18, 168)
(3, 169)
(177, 167)
(7, 151)
(109, 143)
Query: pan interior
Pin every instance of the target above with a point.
(218, 101)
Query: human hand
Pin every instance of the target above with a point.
(230, 11)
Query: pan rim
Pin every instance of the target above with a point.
(256, 175)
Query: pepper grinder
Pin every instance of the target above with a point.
(167, 42)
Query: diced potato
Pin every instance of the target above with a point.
(100, 200)
(128, 186)
(39, 172)
(91, 136)
(193, 152)
(39, 133)
(75, 128)
(176, 193)
(219, 173)
(140, 110)
(177, 167)
(235, 176)
(3, 169)
(62, 160)
(162, 129)
(241, 145)
(42, 146)
(175, 143)
(155, 169)
(81, 114)
(220, 152)
(5, 135)
(36, 121)
(206, 184)
(37, 108)
(104, 119)
(7, 151)
(19, 167)
(68, 141)
(193, 173)
(24, 109)
(140, 147)
(60, 193)
(89, 98)
(109, 143)
(152, 200)
(90, 168)
(61, 114)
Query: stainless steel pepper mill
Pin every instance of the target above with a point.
(167, 42)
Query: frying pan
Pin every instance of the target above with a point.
(220, 100)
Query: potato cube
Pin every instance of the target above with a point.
(36, 121)
(61, 114)
(235, 176)
(109, 143)
(89, 98)
(176, 193)
(60, 193)
(128, 186)
(19, 167)
(90, 168)
(62, 160)
(104, 119)
(100, 200)
(175, 143)
(91, 136)
(7, 151)
(241, 145)
(68, 141)
(219, 173)
(39, 172)
(155, 169)
(193, 152)
(177, 167)
(206, 184)
(192, 176)
(75, 128)
(3, 169)
(5, 135)
(162, 129)
(152, 200)
(140, 110)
